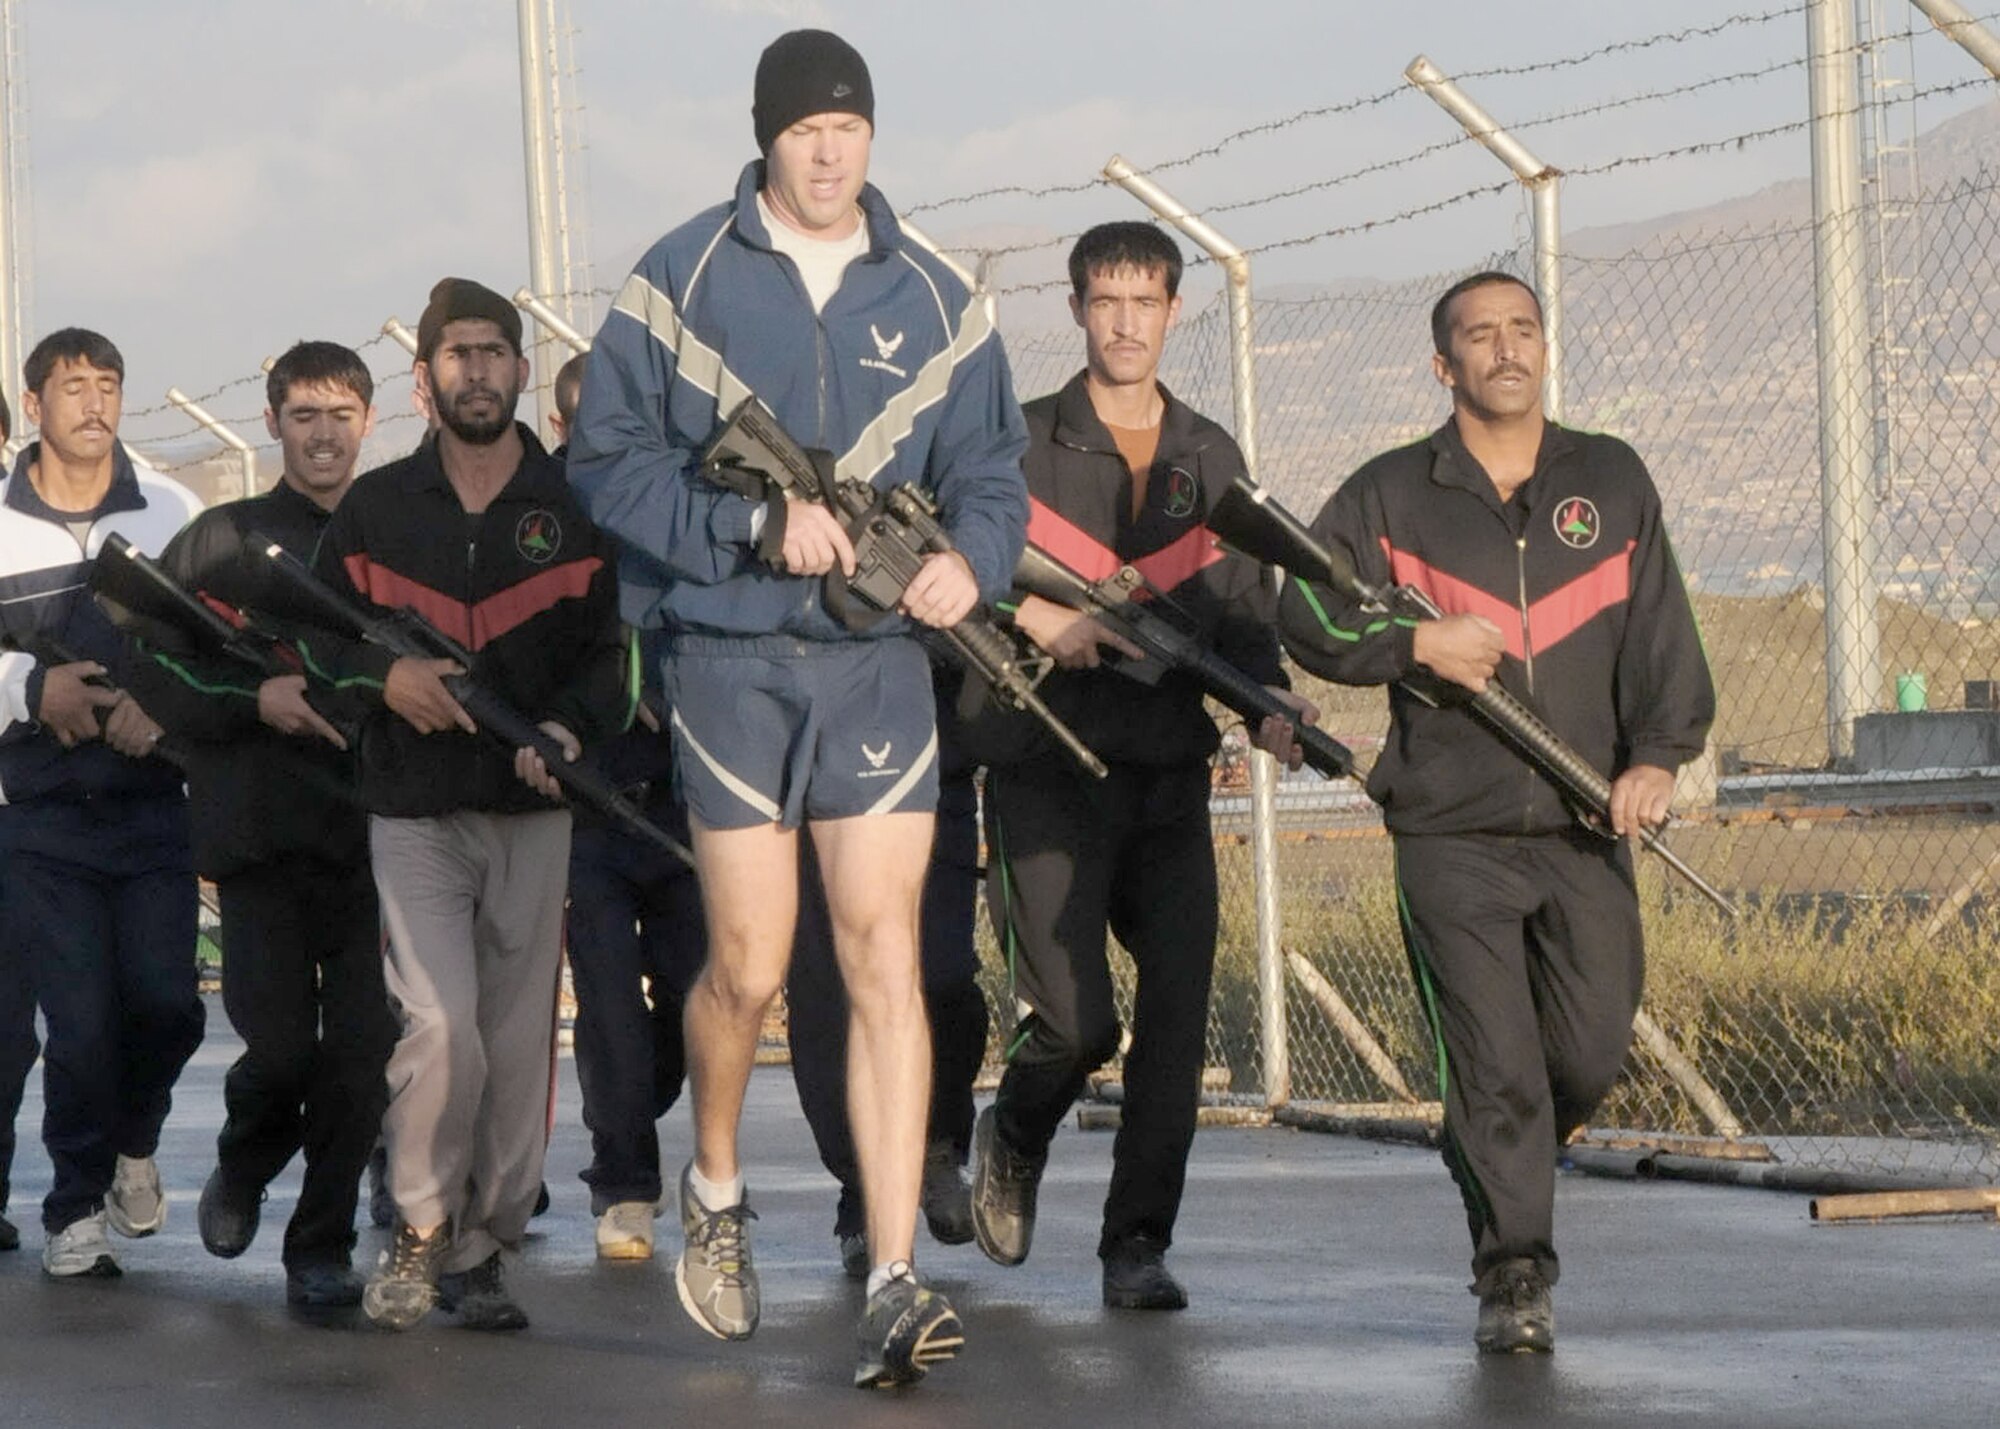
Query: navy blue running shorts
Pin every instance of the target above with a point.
(781, 731)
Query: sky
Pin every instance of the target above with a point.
(209, 183)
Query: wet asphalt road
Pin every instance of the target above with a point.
(1327, 1278)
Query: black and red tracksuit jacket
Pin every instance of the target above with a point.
(1080, 512)
(528, 586)
(1576, 571)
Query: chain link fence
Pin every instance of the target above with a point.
(1846, 1021)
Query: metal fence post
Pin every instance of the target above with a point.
(1272, 1032)
(1544, 184)
(543, 235)
(1963, 30)
(551, 322)
(246, 454)
(1846, 433)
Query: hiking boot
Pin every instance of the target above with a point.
(479, 1298)
(1516, 1313)
(854, 1262)
(135, 1206)
(946, 1195)
(1004, 1183)
(717, 1284)
(227, 1216)
(324, 1285)
(80, 1248)
(10, 1235)
(404, 1285)
(1136, 1277)
(906, 1329)
(625, 1231)
(381, 1205)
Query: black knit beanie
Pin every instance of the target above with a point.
(804, 73)
(456, 298)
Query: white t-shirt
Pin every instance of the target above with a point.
(821, 260)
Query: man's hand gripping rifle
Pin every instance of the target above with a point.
(1248, 519)
(892, 532)
(405, 634)
(1113, 603)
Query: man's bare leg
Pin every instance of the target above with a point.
(749, 892)
(873, 869)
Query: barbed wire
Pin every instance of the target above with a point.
(1360, 102)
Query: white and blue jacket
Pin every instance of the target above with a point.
(45, 608)
(901, 376)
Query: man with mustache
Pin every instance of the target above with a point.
(277, 828)
(476, 532)
(100, 890)
(1546, 550)
(19, 1046)
(1120, 472)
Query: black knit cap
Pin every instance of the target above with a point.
(454, 299)
(808, 72)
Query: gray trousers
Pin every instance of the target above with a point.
(473, 904)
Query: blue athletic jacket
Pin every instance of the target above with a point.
(902, 377)
(47, 613)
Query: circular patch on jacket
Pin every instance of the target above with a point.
(538, 537)
(1183, 493)
(1577, 523)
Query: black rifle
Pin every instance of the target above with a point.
(49, 651)
(136, 593)
(1248, 519)
(892, 533)
(1112, 602)
(405, 634)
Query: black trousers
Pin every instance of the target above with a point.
(634, 914)
(816, 999)
(302, 983)
(1069, 857)
(18, 1049)
(1528, 962)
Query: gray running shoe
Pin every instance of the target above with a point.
(717, 1283)
(1004, 1184)
(80, 1248)
(404, 1286)
(135, 1206)
(907, 1328)
(1516, 1312)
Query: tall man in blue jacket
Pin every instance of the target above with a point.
(100, 888)
(1546, 550)
(805, 291)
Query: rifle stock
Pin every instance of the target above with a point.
(1250, 520)
(408, 635)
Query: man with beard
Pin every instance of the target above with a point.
(100, 889)
(1546, 550)
(477, 533)
(277, 828)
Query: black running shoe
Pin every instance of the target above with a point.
(1004, 1183)
(1136, 1277)
(323, 1285)
(10, 1235)
(906, 1329)
(1516, 1313)
(479, 1298)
